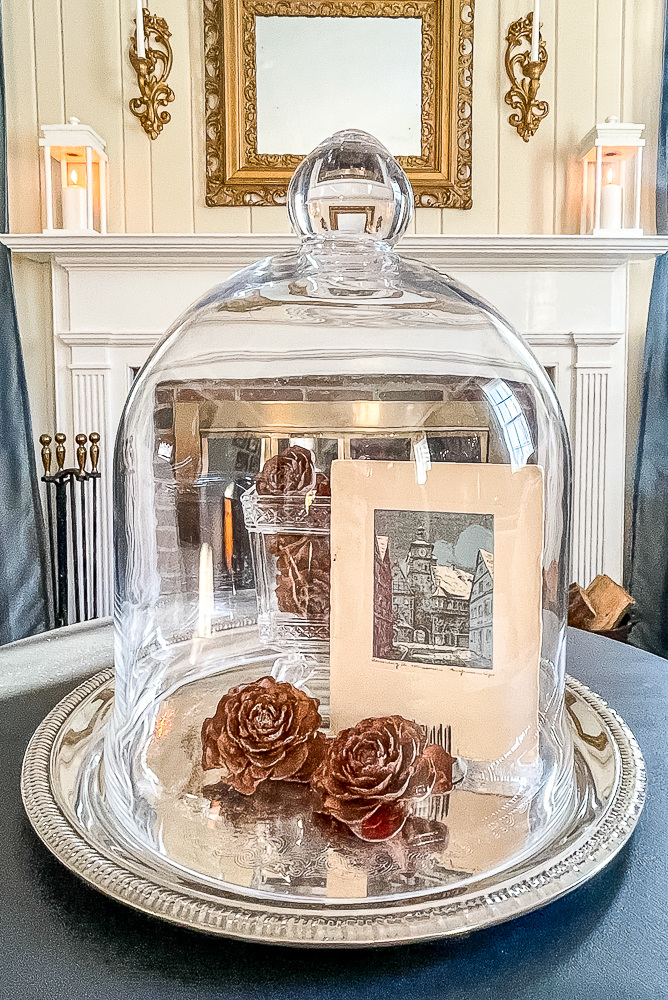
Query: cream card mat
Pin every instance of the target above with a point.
(427, 582)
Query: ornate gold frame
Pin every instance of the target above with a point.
(236, 174)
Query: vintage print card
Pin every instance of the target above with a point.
(436, 600)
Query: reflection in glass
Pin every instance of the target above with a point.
(381, 449)
(456, 448)
(315, 75)
(514, 424)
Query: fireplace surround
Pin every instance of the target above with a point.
(114, 296)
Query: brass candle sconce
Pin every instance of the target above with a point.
(524, 75)
(152, 71)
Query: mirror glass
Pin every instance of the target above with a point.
(316, 75)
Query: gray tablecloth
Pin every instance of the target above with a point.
(60, 940)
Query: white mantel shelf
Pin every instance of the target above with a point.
(206, 249)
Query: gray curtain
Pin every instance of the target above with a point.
(649, 555)
(23, 590)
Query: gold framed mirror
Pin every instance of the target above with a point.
(281, 75)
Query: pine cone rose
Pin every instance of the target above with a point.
(370, 774)
(302, 581)
(290, 472)
(265, 730)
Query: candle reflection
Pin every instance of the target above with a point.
(164, 722)
(205, 591)
(228, 526)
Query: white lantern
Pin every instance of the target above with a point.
(611, 157)
(75, 179)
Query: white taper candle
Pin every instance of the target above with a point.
(141, 47)
(535, 31)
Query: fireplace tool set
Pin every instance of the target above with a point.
(72, 514)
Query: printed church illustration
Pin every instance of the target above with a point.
(418, 603)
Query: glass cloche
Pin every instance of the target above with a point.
(342, 490)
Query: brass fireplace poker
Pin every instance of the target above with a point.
(73, 527)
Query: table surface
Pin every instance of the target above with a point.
(609, 939)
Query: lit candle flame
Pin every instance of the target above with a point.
(73, 177)
(610, 175)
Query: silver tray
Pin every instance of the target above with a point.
(610, 785)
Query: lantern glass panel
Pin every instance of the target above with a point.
(69, 169)
(619, 167)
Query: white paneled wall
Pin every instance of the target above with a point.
(69, 57)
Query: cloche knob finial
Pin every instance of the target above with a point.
(350, 185)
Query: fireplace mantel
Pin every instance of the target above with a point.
(225, 250)
(115, 295)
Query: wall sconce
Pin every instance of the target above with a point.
(524, 70)
(152, 66)
(75, 178)
(611, 157)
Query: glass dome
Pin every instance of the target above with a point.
(342, 490)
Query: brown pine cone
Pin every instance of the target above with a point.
(288, 473)
(265, 730)
(370, 774)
